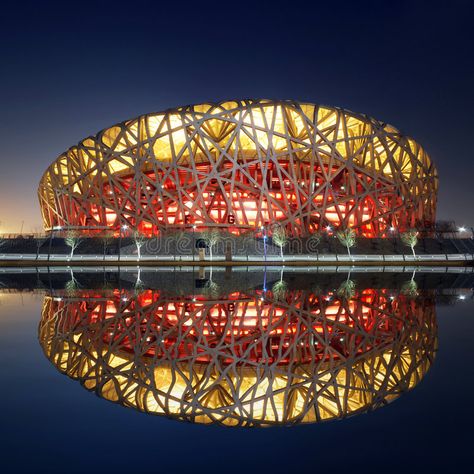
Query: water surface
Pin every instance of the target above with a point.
(150, 372)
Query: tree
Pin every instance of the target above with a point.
(73, 240)
(211, 289)
(72, 285)
(410, 238)
(347, 237)
(346, 290)
(280, 237)
(138, 282)
(139, 240)
(280, 287)
(211, 237)
(410, 288)
(279, 290)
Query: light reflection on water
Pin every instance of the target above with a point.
(243, 358)
(310, 349)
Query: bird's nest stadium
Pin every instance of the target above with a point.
(239, 165)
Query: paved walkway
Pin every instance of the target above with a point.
(311, 259)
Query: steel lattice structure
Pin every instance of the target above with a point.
(241, 165)
(247, 359)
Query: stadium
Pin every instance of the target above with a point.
(240, 165)
(246, 358)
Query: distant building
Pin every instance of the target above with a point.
(240, 165)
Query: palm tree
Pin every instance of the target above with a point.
(410, 238)
(347, 237)
(280, 237)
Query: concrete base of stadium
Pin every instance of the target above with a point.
(190, 250)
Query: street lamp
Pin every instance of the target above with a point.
(124, 227)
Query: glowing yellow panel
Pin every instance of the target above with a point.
(326, 118)
(154, 122)
(124, 163)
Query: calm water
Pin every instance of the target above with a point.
(189, 348)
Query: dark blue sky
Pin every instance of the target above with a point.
(73, 68)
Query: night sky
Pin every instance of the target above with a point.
(73, 68)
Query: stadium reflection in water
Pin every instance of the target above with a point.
(253, 358)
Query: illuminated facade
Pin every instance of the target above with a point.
(239, 165)
(243, 359)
